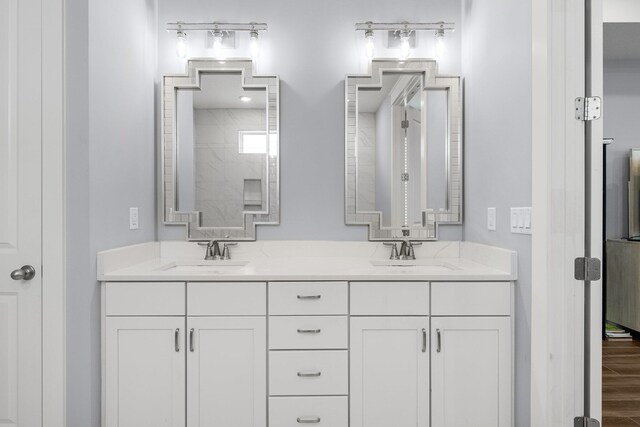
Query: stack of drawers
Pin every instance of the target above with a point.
(308, 354)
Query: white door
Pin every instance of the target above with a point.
(389, 372)
(20, 213)
(471, 371)
(145, 372)
(227, 372)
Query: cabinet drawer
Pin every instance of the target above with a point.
(145, 299)
(319, 411)
(308, 332)
(300, 373)
(471, 299)
(389, 299)
(226, 299)
(308, 298)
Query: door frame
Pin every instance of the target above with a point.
(560, 213)
(53, 214)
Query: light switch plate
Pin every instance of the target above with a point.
(521, 220)
(133, 219)
(491, 219)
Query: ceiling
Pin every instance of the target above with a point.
(224, 91)
(621, 41)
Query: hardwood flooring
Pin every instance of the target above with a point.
(621, 383)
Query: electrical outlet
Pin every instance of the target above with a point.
(521, 220)
(491, 219)
(133, 218)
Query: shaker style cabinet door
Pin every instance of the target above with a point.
(389, 372)
(471, 371)
(226, 372)
(145, 372)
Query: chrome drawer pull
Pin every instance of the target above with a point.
(176, 340)
(309, 296)
(191, 343)
(308, 420)
(309, 374)
(308, 331)
(424, 340)
(439, 336)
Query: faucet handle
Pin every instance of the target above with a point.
(394, 250)
(226, 252)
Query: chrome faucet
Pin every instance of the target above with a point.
(406, 251)
(213, 250)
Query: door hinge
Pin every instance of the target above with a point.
(587, 269)
(404, 177)
(585, 422)
(405, 124)
(588, 109)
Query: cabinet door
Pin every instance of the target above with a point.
(389, 372)
(145, 372)
(471, 371)
(227, 372)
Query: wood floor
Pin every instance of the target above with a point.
(621, 383)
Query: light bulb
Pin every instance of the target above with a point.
(369, 47)
(405, 47)
(217, 43)
(181, 45)
(441, 47)
(254, 44)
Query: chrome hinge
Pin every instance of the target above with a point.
(404, 177)
(585, 422)
(587, 269)
(588, 109)
(405, 124)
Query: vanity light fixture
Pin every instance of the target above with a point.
(222, 34)
(405, 46)
(441, 47)
(405, 33)
(369, 46)
(181, 44)
(245, 99)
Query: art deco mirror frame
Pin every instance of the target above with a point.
(168, 150)
(452, 213)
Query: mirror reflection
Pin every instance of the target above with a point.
(401, 150)
(223, 147)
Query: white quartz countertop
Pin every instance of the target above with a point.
(307, 260)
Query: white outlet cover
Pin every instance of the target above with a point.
(491, 219)
(133, 219)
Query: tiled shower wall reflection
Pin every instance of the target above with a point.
(366, 177)
(220, 168)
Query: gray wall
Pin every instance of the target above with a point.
(620, 116)
(311, 46)
(111, 167)
(496, 48)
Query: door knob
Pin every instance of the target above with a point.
(27, 272)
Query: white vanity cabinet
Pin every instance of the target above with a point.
(328, 353)
(144, 372)
(179, 354)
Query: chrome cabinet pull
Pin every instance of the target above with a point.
(424, 340)
(309, 331)
(439, 336)
(176, 338)
(309, 296)
(308, 420)
(191, 344)
(309, 374)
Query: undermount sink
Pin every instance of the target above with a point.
(429, 264)
(210, 267)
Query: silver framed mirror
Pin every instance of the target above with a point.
(403, 150)
(220, 165)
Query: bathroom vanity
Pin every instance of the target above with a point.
(288, 333)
